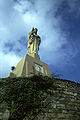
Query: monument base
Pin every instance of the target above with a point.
(11, 75)
(34, 55)
(29, 66)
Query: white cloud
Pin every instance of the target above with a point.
(6, 61)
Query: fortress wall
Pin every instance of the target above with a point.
(64, 103)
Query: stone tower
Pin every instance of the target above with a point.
(30, 64)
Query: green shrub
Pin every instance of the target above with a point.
(25, 95)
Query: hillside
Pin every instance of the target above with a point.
(39, 98)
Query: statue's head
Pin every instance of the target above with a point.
(33, 29)
(36, 29)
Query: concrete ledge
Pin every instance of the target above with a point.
(11, 75)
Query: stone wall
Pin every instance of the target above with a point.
(63, 103)
(4, 112)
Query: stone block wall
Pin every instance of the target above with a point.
(63, 103)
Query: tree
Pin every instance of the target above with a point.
(54, 75)
(13, 68)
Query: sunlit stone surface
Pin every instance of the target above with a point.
(30, 64)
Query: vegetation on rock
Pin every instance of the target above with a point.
(25, 95)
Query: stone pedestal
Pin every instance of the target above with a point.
(29, 66)
(34, 55)
(11, 75)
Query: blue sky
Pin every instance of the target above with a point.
(58, 23)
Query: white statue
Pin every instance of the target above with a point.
(33, 41)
